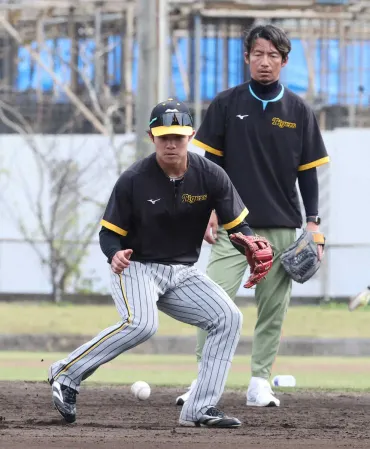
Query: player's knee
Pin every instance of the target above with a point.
(238, 317)
(149, 331)
(231, 319)
(235, 319)
(146, 328)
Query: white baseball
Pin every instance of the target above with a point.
(141, 390)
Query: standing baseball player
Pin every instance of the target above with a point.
(152, 231)
(265, 137)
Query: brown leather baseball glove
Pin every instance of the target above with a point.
(259, 254)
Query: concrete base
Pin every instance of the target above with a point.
(96, 299)
(351, 347)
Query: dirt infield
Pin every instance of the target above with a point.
(109, 417)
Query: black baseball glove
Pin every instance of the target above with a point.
(301, 260)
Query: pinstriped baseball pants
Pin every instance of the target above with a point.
(181, 292)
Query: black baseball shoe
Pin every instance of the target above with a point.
(64, 399)
(213, 418)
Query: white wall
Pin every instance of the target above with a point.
(345, 207)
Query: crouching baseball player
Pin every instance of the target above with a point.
(152, 231)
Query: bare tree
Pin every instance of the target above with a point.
(99, 106)
(67, 203)
(54, 200)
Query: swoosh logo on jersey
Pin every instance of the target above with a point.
(154, 201)
(242, 116)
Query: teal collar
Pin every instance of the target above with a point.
(265, 102)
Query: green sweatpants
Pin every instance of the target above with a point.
(227, 266)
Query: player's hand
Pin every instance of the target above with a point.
(121, 260)
(313, 227)
(210, 235)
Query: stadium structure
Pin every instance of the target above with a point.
(54, 51)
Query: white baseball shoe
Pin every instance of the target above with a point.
(180, 400)
(362, 299)
(259, 394)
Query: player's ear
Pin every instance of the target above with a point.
(190, 137)
(285, 61)
(246, 57)
(151, 137)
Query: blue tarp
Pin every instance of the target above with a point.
(347, 81)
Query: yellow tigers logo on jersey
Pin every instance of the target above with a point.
(282, 124)
(187, 198)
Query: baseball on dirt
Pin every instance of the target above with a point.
(141, 390)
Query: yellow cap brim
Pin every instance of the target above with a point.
(175, 129)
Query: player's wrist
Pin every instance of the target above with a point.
(316, 219)
(312, 227)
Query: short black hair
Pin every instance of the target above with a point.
(272, 33)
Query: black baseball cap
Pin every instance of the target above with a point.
(171, 117)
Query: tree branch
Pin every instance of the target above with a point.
(71, 95)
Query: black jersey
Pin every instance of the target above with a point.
(262, 145)
(164, 221)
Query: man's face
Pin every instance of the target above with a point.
(171, 148)
(265, 62)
